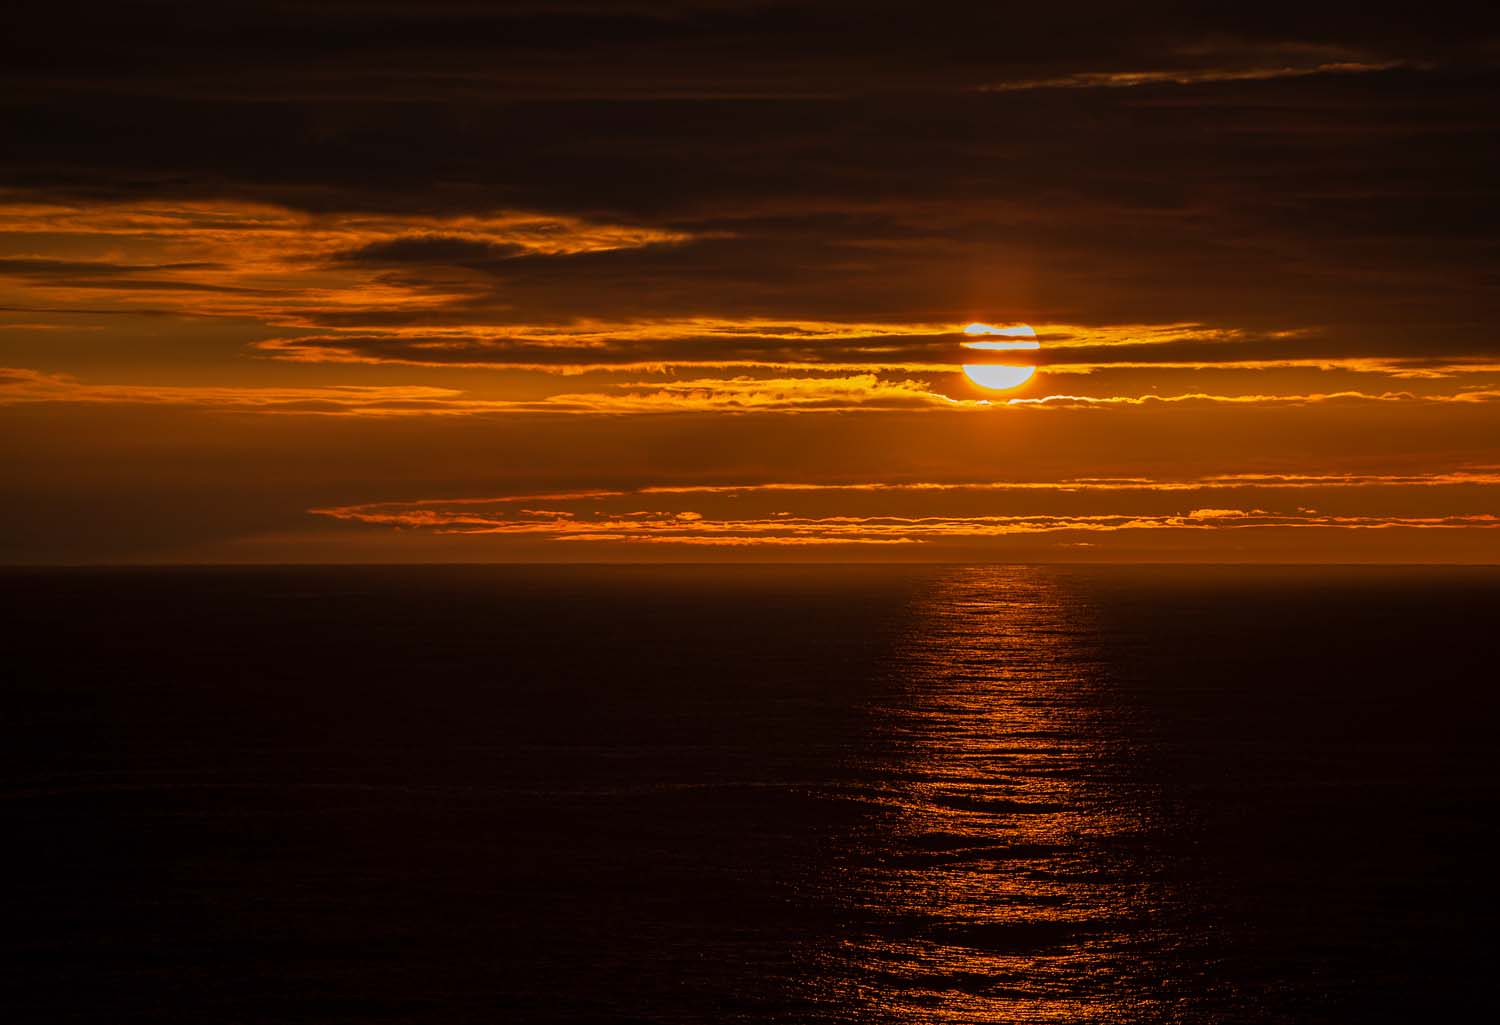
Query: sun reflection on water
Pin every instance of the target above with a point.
(1000, 877)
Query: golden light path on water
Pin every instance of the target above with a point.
(999, 868)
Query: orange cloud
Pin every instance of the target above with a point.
(280, 266)
(1193, 76)
(1078, 484)
(20, 386)
(676, 529)
(275, 237)
(596, 516)
(858, 392)
(1202, 398)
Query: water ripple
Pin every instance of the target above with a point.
(997, 882)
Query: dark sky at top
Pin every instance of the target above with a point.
(1280, 164)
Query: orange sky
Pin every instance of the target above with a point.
(616, 288)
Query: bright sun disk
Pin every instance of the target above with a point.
(997, 375)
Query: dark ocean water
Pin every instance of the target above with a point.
(765, 794)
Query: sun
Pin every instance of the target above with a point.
(1000, 376)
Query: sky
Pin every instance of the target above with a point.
(699, 281)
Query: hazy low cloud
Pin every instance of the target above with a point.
(935, 513)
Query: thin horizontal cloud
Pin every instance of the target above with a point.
(19, 386)
(1193, 76)
(694, 528)
(736, 395)
(744, 395)
(1476, 476)
(709, 343)
(1205, 399)
(642, 346)
(1425, 369)
(277, 235)
(745, 341)
(750, 394)
(930, 512)
(1212, 481)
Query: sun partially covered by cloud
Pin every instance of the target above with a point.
(746, 394)
(1000, 376)
(481, 292)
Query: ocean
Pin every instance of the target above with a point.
(800, 794)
